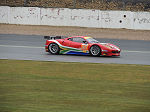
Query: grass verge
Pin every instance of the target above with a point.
(34, 86)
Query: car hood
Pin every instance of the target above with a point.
(110, 46)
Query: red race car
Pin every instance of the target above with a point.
(81, 45)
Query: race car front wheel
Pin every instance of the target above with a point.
(54, 48)
(95, 50)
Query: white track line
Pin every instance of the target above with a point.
(136, 51)
(43, 48)
(21, 46)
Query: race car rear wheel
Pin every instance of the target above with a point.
(95, 50)
(54, 48)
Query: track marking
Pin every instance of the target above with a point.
(22, 46)
(136, 51)
(36, 47)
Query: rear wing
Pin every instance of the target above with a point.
(54, 37)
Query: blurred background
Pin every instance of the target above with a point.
(126, 5)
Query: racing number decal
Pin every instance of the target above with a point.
(84, 47)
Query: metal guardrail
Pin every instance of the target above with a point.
(129, 5)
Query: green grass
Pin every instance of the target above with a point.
(31, 86)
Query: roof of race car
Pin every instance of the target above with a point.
(85, 37)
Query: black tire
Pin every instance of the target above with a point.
(53, 48)
(95, 50)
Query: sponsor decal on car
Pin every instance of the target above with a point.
(84, 48)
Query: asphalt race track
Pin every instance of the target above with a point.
(31, 47)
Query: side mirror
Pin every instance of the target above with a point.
(85, 42)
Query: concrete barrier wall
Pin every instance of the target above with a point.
(54, 16)
(141, 20)
(115, 19)
(24, 15)
(84, 18)
(4, 10)
(69, 17)
(75, 17)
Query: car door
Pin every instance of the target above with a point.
(79, 43)
(74, 42)
(66, 42)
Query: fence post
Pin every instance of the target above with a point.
(25, 2)
(74, 4)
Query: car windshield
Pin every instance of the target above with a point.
(92, 40)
